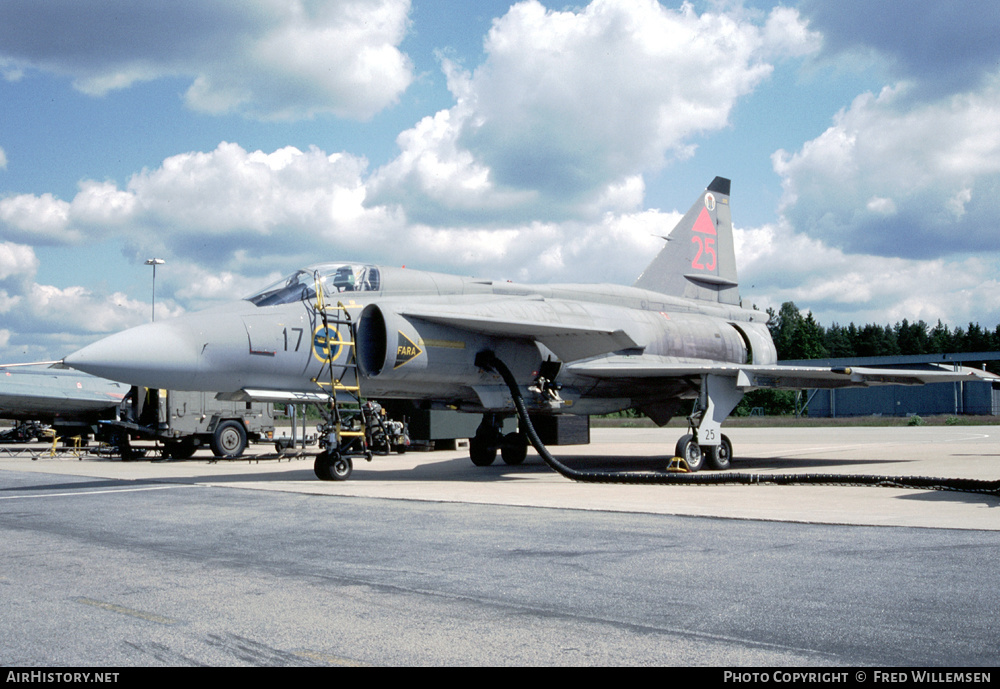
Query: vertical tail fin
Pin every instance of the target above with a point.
(699, 261)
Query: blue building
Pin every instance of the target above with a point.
(974, 397)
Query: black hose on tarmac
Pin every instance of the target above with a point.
(488, 360)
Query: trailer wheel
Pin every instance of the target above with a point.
(180, 449)
(229, 439)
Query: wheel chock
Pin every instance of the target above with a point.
(678, 465)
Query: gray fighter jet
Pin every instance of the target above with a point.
(69, 401)
(679, 333)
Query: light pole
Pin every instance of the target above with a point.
(154, 262)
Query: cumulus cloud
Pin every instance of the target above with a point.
(890, 213)
(198, 287)
(256, 197)
(17, 263)
(261, 58)
(948, 48)
(79, 310)
(568, 105)
(40, 219)
(211, 206)
(535, 174)
(776, 265)
(614, 248)
(786, 33)
(229, 221)
(898, 178)
(228, 218)
(47, 322)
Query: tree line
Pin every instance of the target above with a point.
(801, 337)
(798, 336)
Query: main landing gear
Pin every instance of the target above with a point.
(697, 457)
(704, 447)
(490, 437)
(706, 444)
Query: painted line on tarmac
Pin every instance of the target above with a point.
(831, 448)
(91, 492)
(975, 436)
(881, 444)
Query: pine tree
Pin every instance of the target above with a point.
(838, 342)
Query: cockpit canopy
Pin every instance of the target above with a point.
(335, 278)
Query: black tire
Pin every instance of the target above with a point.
(481, 453)
(124, 444)
(514, 449)
(180, 449)
(688, 450)
(229, 439)
(720, 456)
(333, 467)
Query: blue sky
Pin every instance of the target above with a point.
(531, 141)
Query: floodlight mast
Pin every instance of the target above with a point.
(154, 262)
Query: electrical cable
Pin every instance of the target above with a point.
(488, 360)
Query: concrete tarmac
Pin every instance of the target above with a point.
(449, 476)
(425, 559)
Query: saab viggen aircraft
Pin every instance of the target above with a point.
(679, 333)
(70, 401)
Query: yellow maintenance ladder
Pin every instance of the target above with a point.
(355, 426)
(343, 387)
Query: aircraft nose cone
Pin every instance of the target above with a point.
(155, 355)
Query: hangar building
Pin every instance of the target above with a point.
(973, 397)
